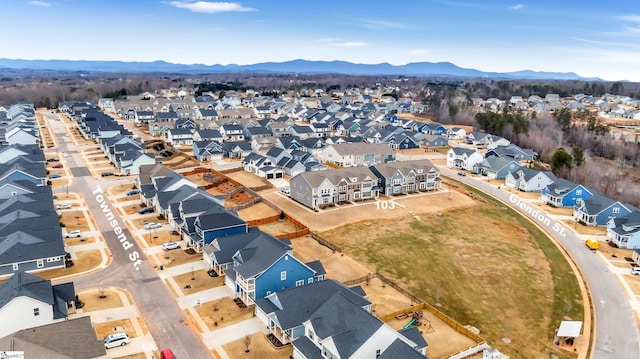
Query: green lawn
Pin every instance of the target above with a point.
(485, 264)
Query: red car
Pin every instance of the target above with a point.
(59, 165)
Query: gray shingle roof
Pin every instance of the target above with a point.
(259, 255)
(400, 350)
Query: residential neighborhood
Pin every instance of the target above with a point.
(220, 192)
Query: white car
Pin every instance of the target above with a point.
(170, 245)
(64, 154)
(285, 190)
(73, 234)
(63, 206)
(152, 225)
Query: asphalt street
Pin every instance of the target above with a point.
(615, 332)
(129, 268)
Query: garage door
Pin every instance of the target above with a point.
(269, 175)
(279, 175)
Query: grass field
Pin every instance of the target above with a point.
(487, 266)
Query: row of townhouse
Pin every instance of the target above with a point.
(277, 162)
(18, 125)
(353, 184)
(26, 198)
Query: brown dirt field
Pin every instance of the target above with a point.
(86, 260)
(367, 211)
(247, 179)
(159, 237)
(278, 227)
(621, 253)
(622, 264)
(93, 302)
(137, 356)
(177, 257)
(134, 208)
(77, 241)
(257, 211)
(116, 326)
(202, 282)
(260, 347)
(228, 313)
(140, 222)
(443, 340)
(59, 182)
(555, 211)
(439, 162)
(66, 196)
(73, 223)
(197, 179)
(421, 152)
(338, 265)
(634, 283)
(385, 299)
(587, 230)
(120, 189)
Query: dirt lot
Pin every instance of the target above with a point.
(562, 211)
(338, 266)
(367, 211)
(634, 283)
(499, 273)
(259, 348)
(247, 179)
(257, 211)
(76, 241)
(86, 260)
(202, 282)
(93, 302)
(278, 227)
(222, 312)
(74, 220)
(178, 256)
(587, 230)
(116, 326)
(120, 189)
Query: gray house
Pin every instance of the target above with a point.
(496, 167)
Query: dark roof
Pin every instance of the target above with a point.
(413, 333)
(348, 325)
(307, 348)
(24, 284)
(223, 248)
(259, 255)
(400, 350)
(561, 186)
(317, 267)
(70, 339)
(217, 218)
(294, 306)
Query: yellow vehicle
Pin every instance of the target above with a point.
(592, 244)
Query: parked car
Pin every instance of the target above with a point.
(147, 210)
(132, 192)
(73, 234)
(106, 174)
(462, 174)
(53, 159)
(285, 190)
(116, 340)
(55, 175)
(152, 225)
(64, 154)
(167, 354)
(170, 245)
(59, 165)
(635, 270)
(63, 206)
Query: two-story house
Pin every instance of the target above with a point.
(404, 177)
(564, 193)
(357, 154)
(464, 158)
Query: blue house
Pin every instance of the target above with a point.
(496, 167)
(624, 232)
(598, 209)
(563, 193)
(266, 265)
(432, 129)
(216, 222)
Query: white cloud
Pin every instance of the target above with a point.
(630, 18)
(39, 3)
(517, 7)
(633, 30)
(418, 52)
(209, 7)
(351, 44)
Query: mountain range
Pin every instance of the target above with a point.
(288, 67)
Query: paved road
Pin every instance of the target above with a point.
(130, 269)
(616, 333)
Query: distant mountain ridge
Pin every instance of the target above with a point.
(294, 66)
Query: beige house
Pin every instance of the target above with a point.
(357, 154)
(321, 189)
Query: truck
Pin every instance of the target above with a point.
(592, 244)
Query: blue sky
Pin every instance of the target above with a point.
(591, 38)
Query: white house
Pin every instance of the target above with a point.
(456, 133)
(529, 180)
(27, 301)
(463, 158)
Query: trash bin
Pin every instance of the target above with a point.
(161, 266)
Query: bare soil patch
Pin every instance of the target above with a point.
(120, 189)
(583, 229)
(247, 179)
(116, 326)
(178, 256)
(74, 220)
(257, 211)
(222, 312)
(68, 196)
(153, 217)
(634, 283)
(278, 227)
(78, 241)
(259, 348)
(201, 282)
(93, 302)
(555, 211)
(198, 179)
(385, 299)
(337, 265)
(138, 356)
(85, 261)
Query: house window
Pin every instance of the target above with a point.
(616, 210)
(283, 275)
(378, 353)
(310, 280)
(299, 283)
(268, 292)
(578, 192)
(40, 263)
(36, 312)
(310, 334)
(15, 266)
